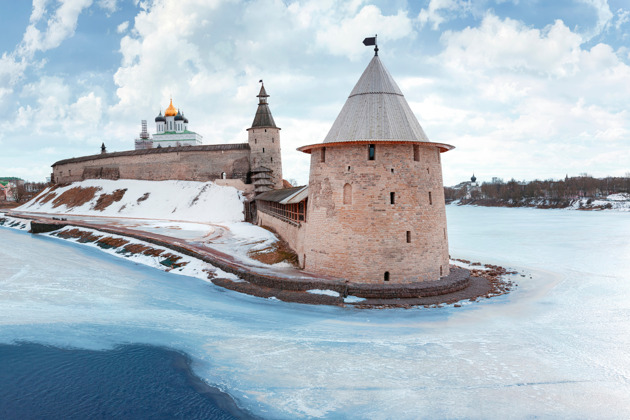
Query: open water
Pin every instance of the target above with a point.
(88, 335)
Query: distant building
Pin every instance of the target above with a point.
(171, 130)
(174, 152)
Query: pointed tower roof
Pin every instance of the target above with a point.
(376, 110)
(263, 116)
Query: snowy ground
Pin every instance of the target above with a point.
(188, 201)
(201, 213)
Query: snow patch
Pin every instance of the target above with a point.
(353, 299)
(193, 267)
(323, 292)
(190, 201)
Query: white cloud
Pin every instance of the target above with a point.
(604, 16)
(439, 11)
(525, 102)
(622, 17)
(11, 71)
(109, 5)
(342, 37)
(59, 26)
(122, 27)
(509, 44)
(39, 9)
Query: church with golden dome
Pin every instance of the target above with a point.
(171, 130)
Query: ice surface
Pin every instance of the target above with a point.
(555, 347)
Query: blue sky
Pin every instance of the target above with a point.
(524, 89)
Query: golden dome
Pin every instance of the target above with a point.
(170, 111)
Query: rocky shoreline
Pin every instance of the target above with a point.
(583, 204)
(460, 286)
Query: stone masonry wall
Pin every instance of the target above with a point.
(292, 234)
(180, 163)
(354, 231)
(264, 144)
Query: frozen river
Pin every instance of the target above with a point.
(555, 347)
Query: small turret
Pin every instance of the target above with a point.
(103, 149)
(264, 143)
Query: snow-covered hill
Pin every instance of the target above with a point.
(191, 201)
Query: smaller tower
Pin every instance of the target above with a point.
(103, 149)
(264, 142)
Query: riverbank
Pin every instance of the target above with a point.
(614, 202)
(288, 284)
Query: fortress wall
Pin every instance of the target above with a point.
(178, 163)
(366, 235)
(292, 234)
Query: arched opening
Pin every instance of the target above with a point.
(392, 198)
(371, 152)
(223, 175)
(323, 159)
(347, 194)
(386, 276)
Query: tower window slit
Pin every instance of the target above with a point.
(271, 159)
(323, 155)
(430, 199)
(441, 271)
(386, 276)
(392, 170)
(347, 194)
(263, 150)
(416, 153)
(408, 236)
(371, 152)
(392, 198)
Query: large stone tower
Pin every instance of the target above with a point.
(376, 200)
(264, 142)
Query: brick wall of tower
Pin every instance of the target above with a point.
(203, 165)
(264, 143)
(363, 237)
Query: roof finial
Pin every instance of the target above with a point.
(371, 41)
(263, 93)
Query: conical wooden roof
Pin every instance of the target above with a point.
(376, 110)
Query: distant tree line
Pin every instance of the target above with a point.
(568, 188)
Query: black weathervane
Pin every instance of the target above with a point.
(371, 41)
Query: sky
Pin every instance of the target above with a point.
(524, 89)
